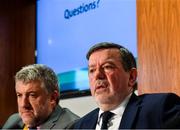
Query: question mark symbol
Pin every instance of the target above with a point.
(98, 3)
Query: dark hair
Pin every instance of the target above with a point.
(126, 57)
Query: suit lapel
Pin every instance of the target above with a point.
(52, 119)
(92, 120)
(21, 124)
(130, 113)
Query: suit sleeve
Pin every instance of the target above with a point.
(171, 113)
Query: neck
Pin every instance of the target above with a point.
(111, 106)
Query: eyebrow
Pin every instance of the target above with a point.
(106, 62)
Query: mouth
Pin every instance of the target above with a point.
(100, 89)
(101, 86)
(27, 112)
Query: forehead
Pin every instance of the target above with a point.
(110, 53)
(33, 85)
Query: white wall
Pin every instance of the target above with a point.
(79, 105)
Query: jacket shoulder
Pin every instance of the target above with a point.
(68, 114)
(65, 118)
(162, 109)
(159, 97)
(14, 121)
(88, 120)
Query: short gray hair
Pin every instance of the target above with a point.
(42, 73)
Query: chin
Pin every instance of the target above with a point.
(29, 123)
(102, 100)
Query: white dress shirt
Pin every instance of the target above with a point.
(114, 122)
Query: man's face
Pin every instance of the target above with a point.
(109, 82)
(34, 103)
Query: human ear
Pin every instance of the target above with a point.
(54, 97)
(132, 77)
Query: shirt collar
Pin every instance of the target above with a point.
(119, 110)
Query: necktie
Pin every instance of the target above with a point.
(105, 119)
(33, 128)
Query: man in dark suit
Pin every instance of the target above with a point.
(112, 76)
(38, 97)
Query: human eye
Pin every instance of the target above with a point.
(108, 67)
(91, 70)
(18, 95)
(32, 95)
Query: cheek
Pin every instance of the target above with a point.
(113, 79)
(116, 81)
(90, 81)
(36, 104)
(41, 107)
(18, 102)
(121, 84)
(92, 85)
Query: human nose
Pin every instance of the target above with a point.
(99, 74)
(24, 102)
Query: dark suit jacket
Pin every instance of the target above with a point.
(61, 118)
(146, 111)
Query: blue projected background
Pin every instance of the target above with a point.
(66, 29)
